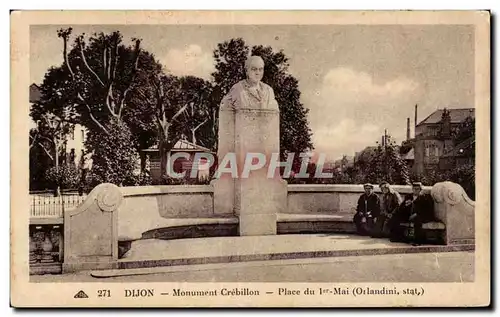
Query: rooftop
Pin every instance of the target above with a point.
(457, 115)
(35, 93)
(183, 145)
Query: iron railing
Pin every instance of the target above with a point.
(49, 206)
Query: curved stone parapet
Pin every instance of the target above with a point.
(90, 230)
(456, 210)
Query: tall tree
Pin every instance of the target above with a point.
(101, 72)
(94, 82)
(199, 113)
(230, 57)
(41, 159)
(176, 106)
(382, 163)
(54, 120)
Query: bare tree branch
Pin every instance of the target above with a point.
(105, 61)
(122, 104)
(110, 102)
(114, 60)
(181, 110)
(134, 75)
(193, 131)
(64, 34)
(49, 122)
(95, 120)
(80, 42)
(48, 139)
(199, 125)
(160, 123)
(34, 139)
(46, 151)
(144, 97)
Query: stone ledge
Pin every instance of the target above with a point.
(341, 217)
(345, 188)
(428, 225)
(165, 189)
(46, 221)
(167, 223)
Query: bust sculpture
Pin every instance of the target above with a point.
(251, 93)
(249, 122)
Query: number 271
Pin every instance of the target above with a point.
(103, 293)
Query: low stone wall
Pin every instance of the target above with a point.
(111, 214)
(330, 199)
(149, 207)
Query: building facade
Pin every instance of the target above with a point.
(433, 139)
(181, 164)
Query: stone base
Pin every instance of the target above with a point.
(45, 268)
(73, 267)
(258, 225)
(223, 196)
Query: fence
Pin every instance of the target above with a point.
(46, 205)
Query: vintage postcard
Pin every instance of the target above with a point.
(250, 159)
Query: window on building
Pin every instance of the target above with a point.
(73, 134)
(83, 134)
(427, 151)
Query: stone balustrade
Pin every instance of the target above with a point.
(111, 214)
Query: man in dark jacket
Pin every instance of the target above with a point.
(389, 204)
(367, 211)
(417, 209)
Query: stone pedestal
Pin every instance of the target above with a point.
(255, 197)
(91, 231)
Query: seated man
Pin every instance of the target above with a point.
(389, 204)
(417, 209)
(367, 210)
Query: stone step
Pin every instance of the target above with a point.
(155, 253)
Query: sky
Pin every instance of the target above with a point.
(356, 80)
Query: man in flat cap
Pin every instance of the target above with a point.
(417, 209)
(367, 211)
(389, 205)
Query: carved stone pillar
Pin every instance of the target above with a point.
(255, 199)
(456, 210)
(90, 231)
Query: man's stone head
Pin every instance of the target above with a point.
(254, 67)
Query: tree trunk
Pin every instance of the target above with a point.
(57, 191)
(142, 157)
(163, 157)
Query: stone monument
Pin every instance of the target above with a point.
(249, 122)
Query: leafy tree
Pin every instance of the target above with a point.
(230, 57)
(39, 160)
(383, 163)
(99, 73)
(63, 177)
(176, 107)
(465, 130)
(113, 161)
(49, 139)
(95, 82)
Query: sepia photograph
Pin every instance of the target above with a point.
(328, 159)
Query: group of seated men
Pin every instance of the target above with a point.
(386, 215)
